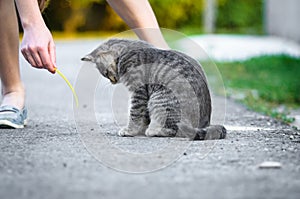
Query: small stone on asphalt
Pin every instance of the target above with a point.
(270, 165)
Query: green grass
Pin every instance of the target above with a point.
(275, 81)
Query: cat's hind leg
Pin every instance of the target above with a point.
(156, 129)
(164, 112)
(135, 127)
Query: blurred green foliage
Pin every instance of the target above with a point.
(242, 16)
(178, 14)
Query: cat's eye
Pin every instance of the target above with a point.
(106, 73)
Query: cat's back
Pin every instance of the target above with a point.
(162, 63)
(158, 58)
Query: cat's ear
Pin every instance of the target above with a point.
(87, 58)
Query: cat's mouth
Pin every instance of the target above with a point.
(112, 79)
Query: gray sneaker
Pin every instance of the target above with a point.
(11, 117)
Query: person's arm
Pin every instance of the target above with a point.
(37, 46)
(139, 16)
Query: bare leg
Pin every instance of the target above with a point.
(139, 16)
(12, 88)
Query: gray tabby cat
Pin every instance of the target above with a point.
(169, 92)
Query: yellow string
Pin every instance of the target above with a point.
(69, 84)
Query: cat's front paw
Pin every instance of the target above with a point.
(126, 132)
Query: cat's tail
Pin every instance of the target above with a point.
(211, 132)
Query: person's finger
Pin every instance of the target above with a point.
(46, 60)
(36, 56)
(28, 57)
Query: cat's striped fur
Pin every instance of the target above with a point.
(170, 96)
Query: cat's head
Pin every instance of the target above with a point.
(107, 53)
(105, 63)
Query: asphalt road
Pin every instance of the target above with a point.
(51, 159)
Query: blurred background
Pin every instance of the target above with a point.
(275, 17)
(188, 16)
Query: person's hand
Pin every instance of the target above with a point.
(38, 48)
